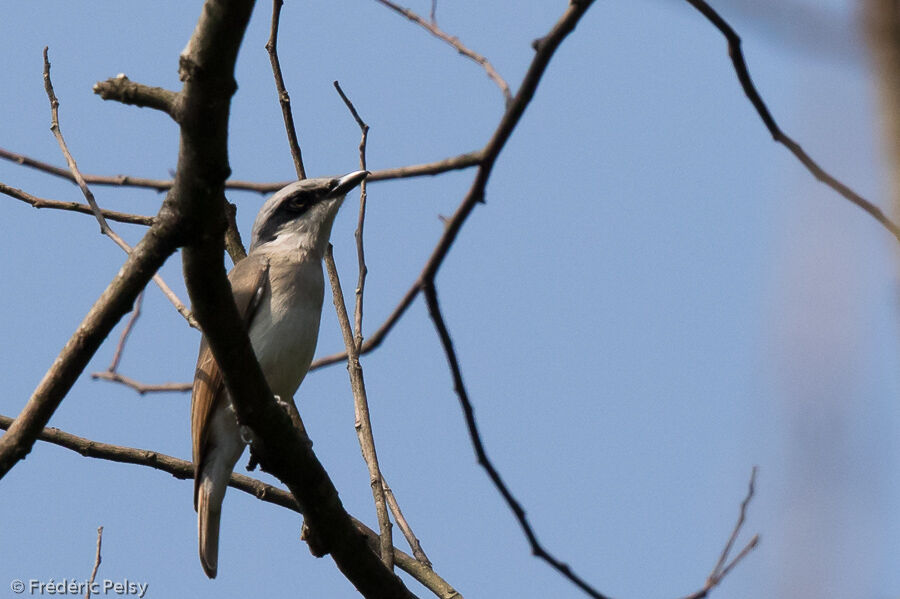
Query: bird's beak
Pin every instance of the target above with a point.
(347, 182)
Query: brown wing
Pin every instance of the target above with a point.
(249, 281)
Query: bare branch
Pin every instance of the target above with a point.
(184, 470)
(283, 97)
(743, 75)
(536, 548)
(433, 29)
(36, 202)
(363, 423)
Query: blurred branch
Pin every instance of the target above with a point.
(882, 25)
(184, 470)
(433, 29)
(743, 75)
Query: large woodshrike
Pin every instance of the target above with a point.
(278, 289)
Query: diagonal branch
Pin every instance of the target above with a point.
(743, 75)
(36, 202)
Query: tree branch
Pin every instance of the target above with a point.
(363, 423)
(743, 75)
(122, 89)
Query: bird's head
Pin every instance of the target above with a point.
(299, 216)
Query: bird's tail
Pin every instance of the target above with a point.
(209, 512)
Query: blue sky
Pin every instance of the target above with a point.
(654, 298)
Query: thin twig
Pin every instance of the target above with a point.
(461, 161)
(284, 99)
(723, 566)
(36, 202)
(436, 31)
(402, 522)
(89, 196)
(184, 470)
(363, 423)
(360, 222)
(142, 388)
(536, 548)
(743, 75)
(97, 560)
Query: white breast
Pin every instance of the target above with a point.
(285, 327)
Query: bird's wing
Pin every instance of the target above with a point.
(249, 281)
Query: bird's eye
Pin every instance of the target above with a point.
(301, 200)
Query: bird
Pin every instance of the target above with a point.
(278, 289)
